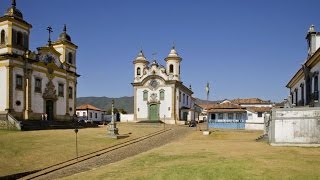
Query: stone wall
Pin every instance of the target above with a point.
(4, 124)
(295, 127)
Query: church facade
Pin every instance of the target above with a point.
(159, 94)
(33, 83)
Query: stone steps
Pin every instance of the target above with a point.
(30, 125)
(262, 137)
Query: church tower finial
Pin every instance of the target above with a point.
(13, 3)
(65, 28)
(49, 29)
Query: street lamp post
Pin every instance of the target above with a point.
(76, 130)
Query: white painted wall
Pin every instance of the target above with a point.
(299, 91)
(82, 114)
(3, 88)
(18, 95)
(61, 101)
(126, 117)
(142, 107)
(254, 122)
(37, 99)
(166, 103)
(317, 43)
(295, 126)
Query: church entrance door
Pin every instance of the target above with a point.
(154, 112)
(185, 116)
(49, 110)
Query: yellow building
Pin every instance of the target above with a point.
(35, 83)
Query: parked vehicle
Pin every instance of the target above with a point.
(192, 123)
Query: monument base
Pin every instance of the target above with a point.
(113, 131)
(206, 133)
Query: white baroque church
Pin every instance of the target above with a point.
(159, 94)
(33, 83)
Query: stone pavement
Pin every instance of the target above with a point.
(174, 133)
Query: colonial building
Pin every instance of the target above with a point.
(304, 85)
(238, 113)
(89, 113)
(298, 123)
(159, 94)
(33, 83)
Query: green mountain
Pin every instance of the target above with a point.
(104, 103)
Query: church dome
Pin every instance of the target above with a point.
(64, 36)
(13, 11)
(154, 63)
(173, 53)
(311, 29)
(141, 57)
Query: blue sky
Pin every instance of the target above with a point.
(244, 48)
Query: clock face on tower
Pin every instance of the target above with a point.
(153, 84)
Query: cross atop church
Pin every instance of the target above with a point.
(49, 29)
(13, 3)
(154, 55)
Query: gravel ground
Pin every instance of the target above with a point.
(122, 153)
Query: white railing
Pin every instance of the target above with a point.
(13, 121)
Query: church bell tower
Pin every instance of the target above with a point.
(140, 64)
(67, 49)
(14, 32)
(173, 65)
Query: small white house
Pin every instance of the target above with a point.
(89, 113)
(238, 113)
(255, 117)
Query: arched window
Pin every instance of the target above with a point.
(161, 94)
(315, 84)
(70, 58)
(19, 39)
(138, 71)
(3, 36)
(171, 68)
(145, 95)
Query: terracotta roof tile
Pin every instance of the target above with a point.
(226, 110)
(249, 101)
(259, 109)
(226, 105)
(88, 106)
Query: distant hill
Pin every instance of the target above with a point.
(201, 101)
(125, 103)
(104, 103)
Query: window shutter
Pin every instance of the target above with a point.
(14, 37)
(25, 40)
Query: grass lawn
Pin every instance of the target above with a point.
(222, 155)
(22, 151)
